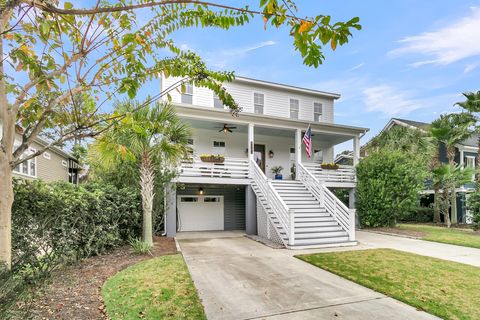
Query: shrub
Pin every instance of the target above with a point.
(59, 223)
(473, 205)
(140, 247)
(421, 214)
(388, 187)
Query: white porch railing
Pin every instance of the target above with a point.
(285, 217)
(342, 214)
(343, 174)
(236, 168)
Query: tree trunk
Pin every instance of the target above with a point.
(436, 208)
(7, 119)
(147, 178)
(6, 201)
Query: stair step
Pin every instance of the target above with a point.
(312, 242)
(302, 230)
(315, 206)
(313, 219)
(320, 235)
(318, 224)
(310, 210)
(287, 197)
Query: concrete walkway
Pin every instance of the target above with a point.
(238, 278)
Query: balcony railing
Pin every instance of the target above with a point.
(234, 168)
(345, 174)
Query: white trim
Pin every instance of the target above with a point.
(27, 164)
(264, 101)
(288, 87)
(290, 108)
(64, 163)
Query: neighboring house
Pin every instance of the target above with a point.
(53, 165)
(226, 183)
(345, 158)
(465, 155)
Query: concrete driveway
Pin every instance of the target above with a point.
(238, 278)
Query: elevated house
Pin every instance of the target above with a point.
(233, 178)
(53, 165)
(465, 155)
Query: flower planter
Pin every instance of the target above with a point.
(329, 166)
(213, 159)
(278, 177)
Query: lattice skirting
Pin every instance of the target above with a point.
(265, 228)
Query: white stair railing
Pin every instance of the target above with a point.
(342, 214)
(285, 217)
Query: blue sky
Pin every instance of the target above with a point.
(412, 59)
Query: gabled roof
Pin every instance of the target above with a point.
(470, 142)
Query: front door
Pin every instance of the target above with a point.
(259, 155)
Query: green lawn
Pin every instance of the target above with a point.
(461, 237)
(159, 288)
(446, 289)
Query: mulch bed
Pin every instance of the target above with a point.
(400, 232)
(73, 292)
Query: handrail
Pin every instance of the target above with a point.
(344, 173)
(274, 201)
(342, 214)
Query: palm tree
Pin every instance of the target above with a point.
(447, 177)
(153, 139)
(448, 130)
(472, 105)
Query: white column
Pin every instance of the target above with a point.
(298, 146)
(461, 158)
(356, 150)
(251, 135)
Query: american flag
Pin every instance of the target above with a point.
(307, 140)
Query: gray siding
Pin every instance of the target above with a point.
(234, 202)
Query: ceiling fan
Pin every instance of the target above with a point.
(227, 128)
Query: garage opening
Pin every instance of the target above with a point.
(219, 207)
(200, 213)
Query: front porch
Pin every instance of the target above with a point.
(270, 147)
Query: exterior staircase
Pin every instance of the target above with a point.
(314, 226)
(303, 213)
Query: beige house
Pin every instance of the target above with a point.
(53, 165)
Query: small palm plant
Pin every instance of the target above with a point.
(153, 138)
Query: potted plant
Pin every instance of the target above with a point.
(212, 158)
(330, 166)
(277, 171)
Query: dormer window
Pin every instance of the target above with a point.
(317, 111)
(187, 96)
(258, 102)
(294, 108)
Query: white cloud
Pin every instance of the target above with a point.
(470, 67)
(358, 66)
(390, 100)
(224, 58)
(454, 42)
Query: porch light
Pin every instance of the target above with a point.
(270, 154)
(200, 191)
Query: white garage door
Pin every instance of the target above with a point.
(200, 213)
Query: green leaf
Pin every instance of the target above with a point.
(67, 5)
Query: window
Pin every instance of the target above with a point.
(64, 163)
(211, 199)
(294, 108)
(28, 167)
(219, 147)
(470, 163)
(217, 103)
(258, 102)
(189, 199)
(47, 155)
(187, 96)
(292, 154)
(317, 111)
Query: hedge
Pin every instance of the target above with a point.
(388, 187)
(59, 223)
